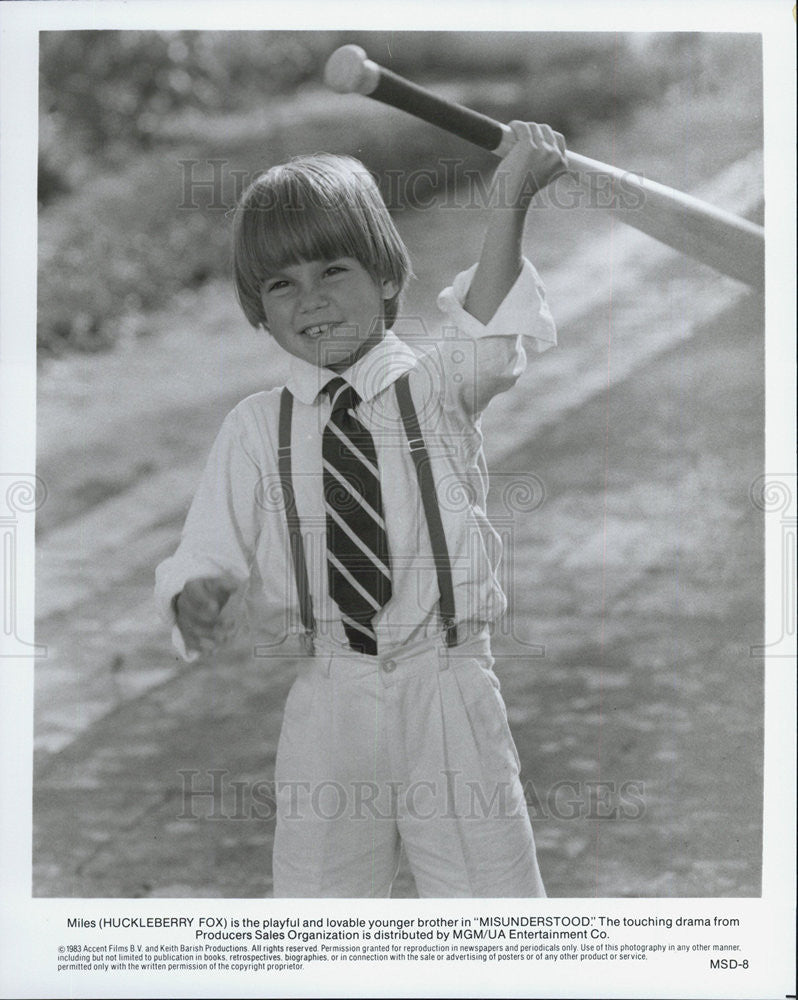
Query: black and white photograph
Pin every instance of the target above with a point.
(414, 505)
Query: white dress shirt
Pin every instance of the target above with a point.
(236, 524)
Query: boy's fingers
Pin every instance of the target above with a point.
(196, 607)
(220, 592)
(192, 640)
(194, 591)
(195, 628)
(538, 134)
(205, 597)
(553, 139)
(199, 608)
(522, 130)
(206, 639)
(219, 589)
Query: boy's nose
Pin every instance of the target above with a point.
(312, 297)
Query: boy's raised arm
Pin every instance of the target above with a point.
(537, 157)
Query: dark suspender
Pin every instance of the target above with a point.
(292, 517)
(429, 499)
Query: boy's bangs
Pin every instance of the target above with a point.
(292, 233)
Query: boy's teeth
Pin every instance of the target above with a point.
(316, 331)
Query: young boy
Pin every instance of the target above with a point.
(349, 507)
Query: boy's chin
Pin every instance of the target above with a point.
(338, 357)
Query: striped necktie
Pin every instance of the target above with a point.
(358, 563)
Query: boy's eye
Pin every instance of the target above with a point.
(276, 285)
(335, 269)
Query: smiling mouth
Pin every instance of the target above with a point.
(318, 330)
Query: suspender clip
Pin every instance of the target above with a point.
(451, 632)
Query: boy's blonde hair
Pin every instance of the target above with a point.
(315, 207)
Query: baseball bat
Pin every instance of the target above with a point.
(726, 242)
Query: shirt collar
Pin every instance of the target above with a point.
(369, 375)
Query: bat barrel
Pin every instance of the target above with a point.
(726, 242)
(729, 244)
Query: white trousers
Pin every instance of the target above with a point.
(410, 748)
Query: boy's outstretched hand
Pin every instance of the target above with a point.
(199, 609)
(538, 156)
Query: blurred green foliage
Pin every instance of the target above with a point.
(120, 110)
(110, 91)
(104, 93)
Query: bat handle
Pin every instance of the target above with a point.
(349, 71)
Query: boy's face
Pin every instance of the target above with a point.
(327, 312)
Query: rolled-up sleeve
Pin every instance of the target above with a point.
(220, 532)
(484, 359)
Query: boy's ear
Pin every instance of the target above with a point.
(389, 288)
